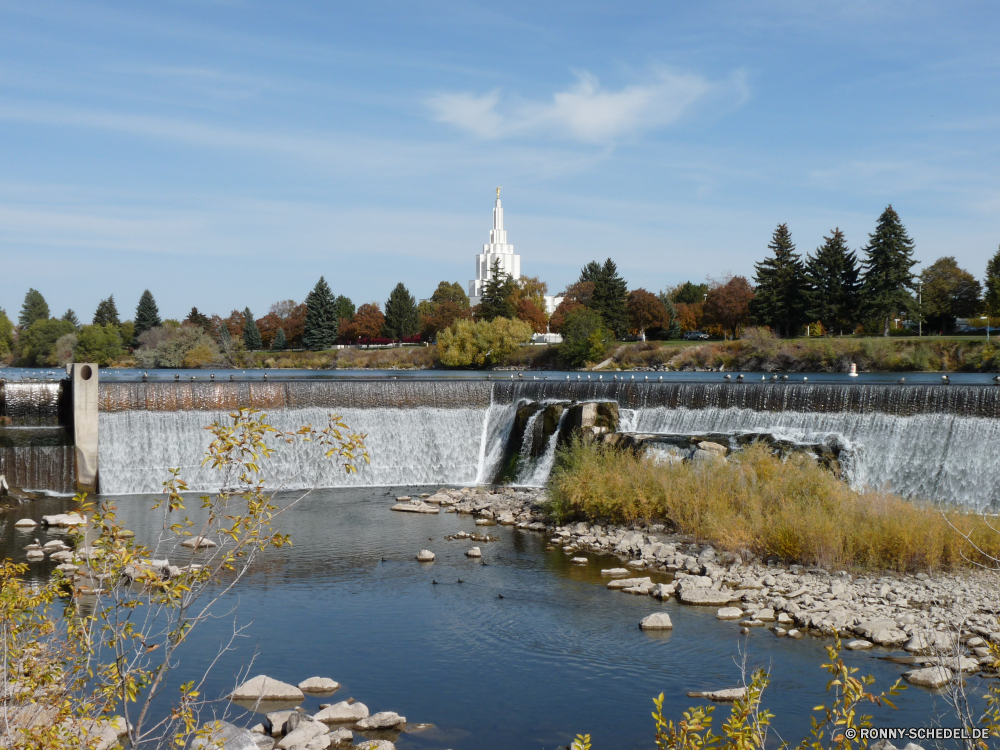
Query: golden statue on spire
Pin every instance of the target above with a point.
(498, 193)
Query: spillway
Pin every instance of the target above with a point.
(926, 441)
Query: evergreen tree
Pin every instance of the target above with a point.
(674, 332)
(34, 308)
(321, 318)
(107, 312)
(344, 307)
(991, 297)
(199, 319)
(70, 317)
(401, 318)
(611, 299)
(251, 334)
(279, 342)
(147, 315)
(497, 300)
(779, 299)
(887, 280)
(832, 276)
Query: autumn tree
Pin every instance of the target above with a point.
(33, 308)
(107, 312)
(887, 279)
(287, 316)
(367, 323)
(728, 304)
(401, 318)
(832, 275)
(949, 292)
(779, 298)
(448, 303)
(322, 321)
(530, 313)
(645, 312)
(147, 315)
(481, 343)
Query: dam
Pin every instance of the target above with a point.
(922, 440)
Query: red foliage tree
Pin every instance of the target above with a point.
(366, 324)
(558, 318)
(442, 315)
(528, 311)
(728, 305)
(646, 311)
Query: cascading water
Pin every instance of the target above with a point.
(925, 441)
(535, 472)
(36, 453)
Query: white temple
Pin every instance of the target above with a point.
(497, 249)
(510, 262)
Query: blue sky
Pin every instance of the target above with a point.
(226, 154)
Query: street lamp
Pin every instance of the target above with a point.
(987, 319)
(920, 308)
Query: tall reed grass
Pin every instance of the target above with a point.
(794, 509)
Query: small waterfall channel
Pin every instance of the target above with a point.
(927, 441)
(36, 448)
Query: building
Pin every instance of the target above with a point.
(510, 263)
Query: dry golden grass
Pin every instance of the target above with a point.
(795, 509)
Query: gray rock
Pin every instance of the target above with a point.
(221, 735)
(729, 613)
(627, 583)
(858, 645)
(376, 745)
(302, 734)
(929, 677)
(25, 523)
(704, 597)
(416, 506)
(727, 695)
(265, 688)
(474, 552)
(341, 713)
(318, 685)
(615, 572)
(198, 542)
(579, 561)
(341, 736)
(662, 590)
(656, 621)
(321, 742)
(277, 720)
(381, 720)
(425, 555)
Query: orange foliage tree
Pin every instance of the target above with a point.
(728, 304)
(645, 311)
(366, 324)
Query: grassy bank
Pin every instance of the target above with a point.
(754, 501)
(757, 352)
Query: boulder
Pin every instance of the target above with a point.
(727, 695)
(303, 733)
(341, 736)
(64, 520)
(932, 642)
(376, 745)
(277, 720)
(729, 613)
(416, 506)
(381, 720)
(342, 713)
(221, 735)
(889, 637)
(198, 542)
(704, 597)
(474, 552)
(318, 685)
(425, 555)
(663, 590)
(321, 742)
(579, 561)
(720, 450)
(615, 572)
(627, 583)
(858, 645)
(656, 621)
(929, 677)
(25, 523)
(266, 688)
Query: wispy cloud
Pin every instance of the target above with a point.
(586, 111)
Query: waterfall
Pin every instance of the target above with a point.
(926, 441)
(32, 404)
(535, 472)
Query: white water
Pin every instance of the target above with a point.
(934, 456)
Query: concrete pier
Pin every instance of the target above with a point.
(85, 400)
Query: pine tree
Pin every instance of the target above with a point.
(70, 317)
(401, 318)
(199, 319)
(674, 332)
(832, 276)
(497, 300)
(146, 315)
(887, 281)
(279, 342)
(611, 298)
(779, 299)
(107, 312)
(991, 298)
(344, 307)
(34, 308)
(251, 334)
(321, 318)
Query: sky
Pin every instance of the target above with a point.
(227, 154)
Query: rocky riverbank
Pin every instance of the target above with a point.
(944, 622)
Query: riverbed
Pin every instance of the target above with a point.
(558, 654)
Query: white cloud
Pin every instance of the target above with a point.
(585, 112)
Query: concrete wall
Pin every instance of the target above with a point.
(85, 399)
